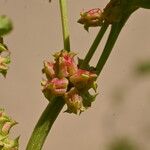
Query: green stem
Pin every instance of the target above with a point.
(54, 107)
(94, 45)
(114, 33)
(64, 20)
(44, 124)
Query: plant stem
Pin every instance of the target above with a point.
(94, 45)
(114, 33)
(44, 124)
(64, 20)
(54, 107)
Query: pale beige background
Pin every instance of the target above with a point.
(36, 35)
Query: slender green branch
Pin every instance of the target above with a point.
(65, 28)
(54, 107)
(44, 124)
(94, 45)
(114, 33)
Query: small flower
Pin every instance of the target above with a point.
(91, 18)
(6, 123)
(56, 86)
(4, 61)
(74, 102)
(7, 126)
(83, 79)
(49, 69)
(65, 64)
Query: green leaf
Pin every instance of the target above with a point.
(5, 25)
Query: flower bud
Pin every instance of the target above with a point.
(49, 69)
(4, 61)
(65, 63)
(83, 79)
(5, 125)
(74, 102)
(56, 86)
(91, 18)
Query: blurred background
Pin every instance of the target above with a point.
(119, 118)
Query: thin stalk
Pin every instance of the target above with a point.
(114, 33)
(44, 124)
(94, 45)
(54, 107)
(64, 20)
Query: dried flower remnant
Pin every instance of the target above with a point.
(91, 18)
(74, 101)
(65, 79)
(6, 123)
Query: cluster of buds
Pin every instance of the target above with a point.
(6, 123)
(65, 79)
(4, 58)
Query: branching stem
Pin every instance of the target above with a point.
(114, 33)
(94, 45)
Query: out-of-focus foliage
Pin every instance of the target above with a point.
(143, 68)
(5, 25)
(4, 58)
(122, 144)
